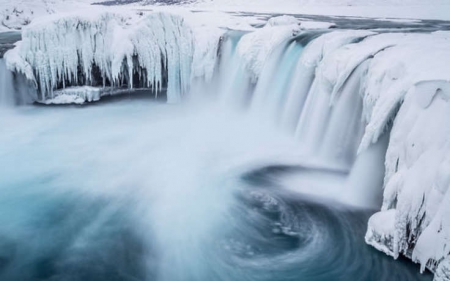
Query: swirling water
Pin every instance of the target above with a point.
(137, 190)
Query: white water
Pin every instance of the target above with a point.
(6, 85)
(14, 89)
(328, 128)
(133, 189)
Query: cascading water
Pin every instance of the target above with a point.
(6, 85)
(328, 128)
(134, 189)
(14, 88)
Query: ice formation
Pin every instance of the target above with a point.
(403, 79)
(159, 50)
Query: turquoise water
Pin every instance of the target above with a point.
(137, 190)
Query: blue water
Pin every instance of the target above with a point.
(138, 190)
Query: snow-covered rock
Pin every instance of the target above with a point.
(380, 231)
(408, 86)
(254, 48)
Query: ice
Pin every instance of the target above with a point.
(76, 95)
(104, 48)
(416, 180)
(306, 67)
(380, 231)
(254, 48)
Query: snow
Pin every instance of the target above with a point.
(65, 99)
(443, 271)
(282, 20)
(417, 177)
(392, 9)
(19, 13)
(380, 231)
(411, 90)
(255, 47)
(75, 95)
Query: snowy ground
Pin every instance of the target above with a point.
(16, 14)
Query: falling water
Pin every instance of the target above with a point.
(6, 85)
(133, 189)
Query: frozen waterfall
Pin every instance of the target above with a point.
(370, 105)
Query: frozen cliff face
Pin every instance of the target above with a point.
(408, 86)
(157, 51)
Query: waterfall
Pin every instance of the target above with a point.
(6, 85)
(326, 122)
(14, 88)
(278, 81)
